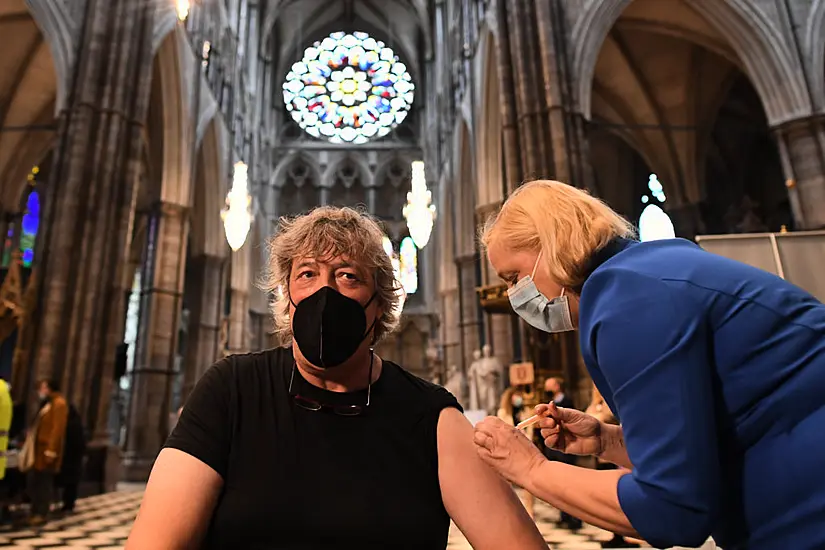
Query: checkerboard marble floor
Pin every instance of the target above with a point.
(102, 522)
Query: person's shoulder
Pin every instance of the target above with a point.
(410, 387)
(243, 369)
(645, 269)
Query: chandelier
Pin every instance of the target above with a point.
(237, 216)
(182, 7)
(419, 212)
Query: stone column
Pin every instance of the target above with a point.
(205, 318)
(553, 81)
(239, 329)
(802, 150)
(88, 212)
(687, 220)
(160, 310)
(510, 137)
(239, 282)
(469, 310)
(527, 79)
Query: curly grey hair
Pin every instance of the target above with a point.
(324, 233)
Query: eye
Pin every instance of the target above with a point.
(349, 276)
(306, 274)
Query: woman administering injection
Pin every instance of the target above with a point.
(714, 369)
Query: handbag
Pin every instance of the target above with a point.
(26, 458)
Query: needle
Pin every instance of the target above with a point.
(529, 422)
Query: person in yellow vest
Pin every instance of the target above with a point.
(6, 407)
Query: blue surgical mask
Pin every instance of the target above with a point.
(518, 401)
(536, 309)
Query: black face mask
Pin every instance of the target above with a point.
(329, 327)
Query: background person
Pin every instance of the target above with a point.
(714, 369)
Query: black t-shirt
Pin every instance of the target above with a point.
(298, 479)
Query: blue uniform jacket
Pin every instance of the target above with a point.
(717, 372)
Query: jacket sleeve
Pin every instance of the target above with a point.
(654, 348)
(60, 416)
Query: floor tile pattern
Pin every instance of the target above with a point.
(102, 523)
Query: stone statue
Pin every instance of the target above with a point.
(454, 381)
(490, 380)
(475, 375)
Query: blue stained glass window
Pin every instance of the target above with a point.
(30, 225)
(348, 88)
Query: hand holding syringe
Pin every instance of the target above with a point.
(542, 411)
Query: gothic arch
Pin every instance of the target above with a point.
(814, 49)
(32, 86)
(278, 175)
(757, 43)
(57, 27)
(276, 10)
(295, 185)
(348, 180)
(177, 140)
(206, 230)
(392, 182)
(489, 145)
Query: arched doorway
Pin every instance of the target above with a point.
(674, 91)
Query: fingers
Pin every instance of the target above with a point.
(483, 440)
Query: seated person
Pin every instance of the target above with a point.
(323, 444)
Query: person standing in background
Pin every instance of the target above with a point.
(74, 450)
(6, 413)
(47, 435)
(6, 410)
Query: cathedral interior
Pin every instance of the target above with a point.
(149, 148)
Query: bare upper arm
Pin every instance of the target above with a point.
(480, 503)
(178, 504)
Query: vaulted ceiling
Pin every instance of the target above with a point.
(292, 25)
(28, 88)
(660, 80)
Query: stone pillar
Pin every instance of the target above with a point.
(239, 282)
(88, 213)
(802, 150)
(510, 136)
(526, 75)
(205, 318)
(239, 329)
(687, 220)
(469, 315)
(160, 310)
(553, 81)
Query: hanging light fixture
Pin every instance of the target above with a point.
(419, 212)
(182, 7)
(237, 216)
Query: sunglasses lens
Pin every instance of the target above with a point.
(307, 404)
(349, 410)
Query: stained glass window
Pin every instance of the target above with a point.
(7, 246)
(348, 88)
(408, 256)
(654, 223)
(30, 225)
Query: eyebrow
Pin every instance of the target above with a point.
(336, 265)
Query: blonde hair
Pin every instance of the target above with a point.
(567, 224)
(324, 233)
